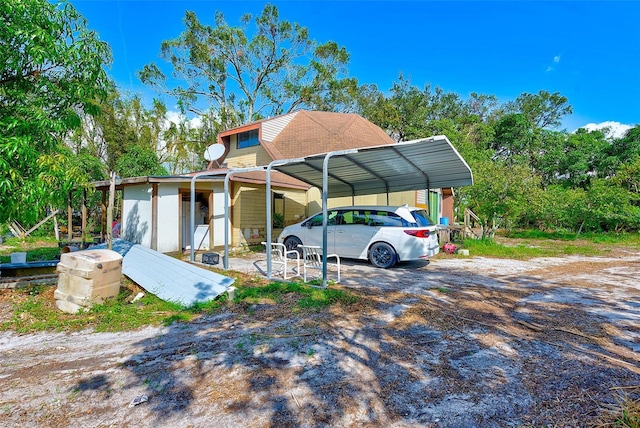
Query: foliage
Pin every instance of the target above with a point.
(63, 124)
(37, 249)
(624, 413)
(500, 194)
(530, 247)
(37, 311)
(526, 174)
(491, 248)
(309, 297)
(139, 161)
(278, 220)
(542, 110)
(51, 72)
(628, 175)
(244, 79)
(624, 238)
(35, 308)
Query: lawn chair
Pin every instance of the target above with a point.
(312, 259)
(282, 257)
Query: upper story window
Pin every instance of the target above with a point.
(248, 139)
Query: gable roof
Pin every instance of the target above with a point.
(304, 133)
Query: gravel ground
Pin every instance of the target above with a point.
(458, 342)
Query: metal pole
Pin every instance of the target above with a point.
(225, 257)
(112, 189)
(325, 187)
(268, 204)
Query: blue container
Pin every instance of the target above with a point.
(444, 221)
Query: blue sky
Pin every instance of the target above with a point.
(588, 51)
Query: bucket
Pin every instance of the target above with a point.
(444, 221)
(18, 257)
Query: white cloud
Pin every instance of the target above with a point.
(177, 118)
(612, 129)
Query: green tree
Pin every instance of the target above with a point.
(582, 158)
(621, 151)
(51, 73)
(501, 194)
(126, 128)
(243, 79)
(542, 110)
(139, 161)
(628, 175)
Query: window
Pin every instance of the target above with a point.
(353, 217)
(385, 218)
(247, 139)
(278, 210)
(332, 219)
(422, 218)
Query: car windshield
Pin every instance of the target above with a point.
(422, 218)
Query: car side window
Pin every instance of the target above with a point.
(316, 220)
(332, 217)
(353, 217)
(386, 218)
(422, 218)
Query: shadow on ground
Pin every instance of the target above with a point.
(423, 345)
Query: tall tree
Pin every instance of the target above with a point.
(501, 194)
(244, 79)
(51, 72)
(542, 110)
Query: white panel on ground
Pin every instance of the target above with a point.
(171, 279)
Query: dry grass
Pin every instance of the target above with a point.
(624, 412)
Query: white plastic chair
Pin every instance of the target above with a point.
(312, 259)
(282, 257)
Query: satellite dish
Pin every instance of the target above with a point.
(214, 152)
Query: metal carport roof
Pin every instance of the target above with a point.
(428, 163)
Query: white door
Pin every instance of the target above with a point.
(313, 231)
(353, 234)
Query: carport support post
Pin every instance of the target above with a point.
(225, 257)
(268, 206)
(325, 187)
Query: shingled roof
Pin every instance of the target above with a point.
(304, 133)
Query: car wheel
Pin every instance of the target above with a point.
(383, 255)
(292, 242)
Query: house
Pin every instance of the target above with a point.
(156, 210)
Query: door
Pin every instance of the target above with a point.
(313, 230)
(353, 234)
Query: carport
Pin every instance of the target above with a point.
(427, 163)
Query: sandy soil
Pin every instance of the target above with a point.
(459, 342)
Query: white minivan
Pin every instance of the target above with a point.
(384, 235)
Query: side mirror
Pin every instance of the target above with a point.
(309, 224)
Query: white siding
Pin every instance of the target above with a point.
(271, 128)
(168, 218)
(136, 214)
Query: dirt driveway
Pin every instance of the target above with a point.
(460, 342)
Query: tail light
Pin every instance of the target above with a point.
(422, 233)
